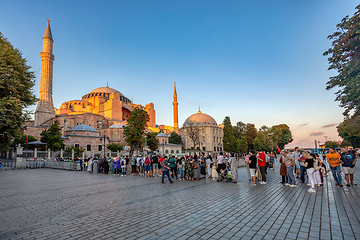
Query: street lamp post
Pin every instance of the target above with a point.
(103, 139)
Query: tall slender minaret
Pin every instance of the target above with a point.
(175, 108)
(45, 108)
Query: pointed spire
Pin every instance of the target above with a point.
(47, 33)
(107, 84)
(175, 89)
(199, 110)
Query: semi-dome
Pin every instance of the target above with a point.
(200, 119)
(83, 127)
(117, 125)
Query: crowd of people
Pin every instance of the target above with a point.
(190, 168)
(311, 168)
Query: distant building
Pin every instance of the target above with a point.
(209, 134)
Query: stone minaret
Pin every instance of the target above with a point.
(175, 108)
(45, 108)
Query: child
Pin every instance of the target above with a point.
(214, 172)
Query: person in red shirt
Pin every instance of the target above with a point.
(160, 161)
(262, 165)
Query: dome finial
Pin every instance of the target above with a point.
(107, 84)
(199, 110)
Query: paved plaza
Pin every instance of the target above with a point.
(58, 204)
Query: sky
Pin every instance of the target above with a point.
(256, 61)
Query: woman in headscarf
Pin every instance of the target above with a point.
(208, 162)
(189, 169)
(90, 163)
(233, 167)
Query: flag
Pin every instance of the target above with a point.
(26, 139)
(277, 149)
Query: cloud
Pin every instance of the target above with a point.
(316, 133)
(329, 125)
(303, 124)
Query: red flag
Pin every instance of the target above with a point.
(26, 140)
(277, 149)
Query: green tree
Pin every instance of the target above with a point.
(16, 94)
(114, 147)
(77, 150)
(265, 139)
(152, 142)
(242, 144)
(22, 140)
(345, 143)
(259, 144)
(52, 137)
(250, 133)
(331, 144)
(175, 138)
(344, 57)
(229, 140)
(349, 130)
(281, 135)
(135, 130)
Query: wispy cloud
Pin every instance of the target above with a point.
(316, 133)
(329, 125)
(303, 124)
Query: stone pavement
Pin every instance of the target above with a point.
(57, 204)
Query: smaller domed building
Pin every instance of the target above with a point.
(201, 131)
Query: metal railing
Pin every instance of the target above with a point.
(11, 164)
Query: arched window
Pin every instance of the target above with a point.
(172, 151)
(116, 136)
(177, 151)
(166, 151)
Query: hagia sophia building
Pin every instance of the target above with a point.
(105, 110)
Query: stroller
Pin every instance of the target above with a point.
(225, 174)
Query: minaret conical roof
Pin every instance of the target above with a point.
(47, 33)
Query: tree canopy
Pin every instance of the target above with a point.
(114, 147)
(151, 141)
(16, 94)
(52, 137)
(175, 138)
(344, 57)
(331, 144)
(243, 137)
(134, 131)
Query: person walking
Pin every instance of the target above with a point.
(334, 160)
(289, 163)
(233, 167)
(348, 161)
(147, 166)
(165, 170)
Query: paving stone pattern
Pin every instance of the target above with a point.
(58, 204)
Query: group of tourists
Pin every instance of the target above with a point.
(311, 168)
(190, 168)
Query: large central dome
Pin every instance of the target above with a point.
(200, 119)
(105, 90)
